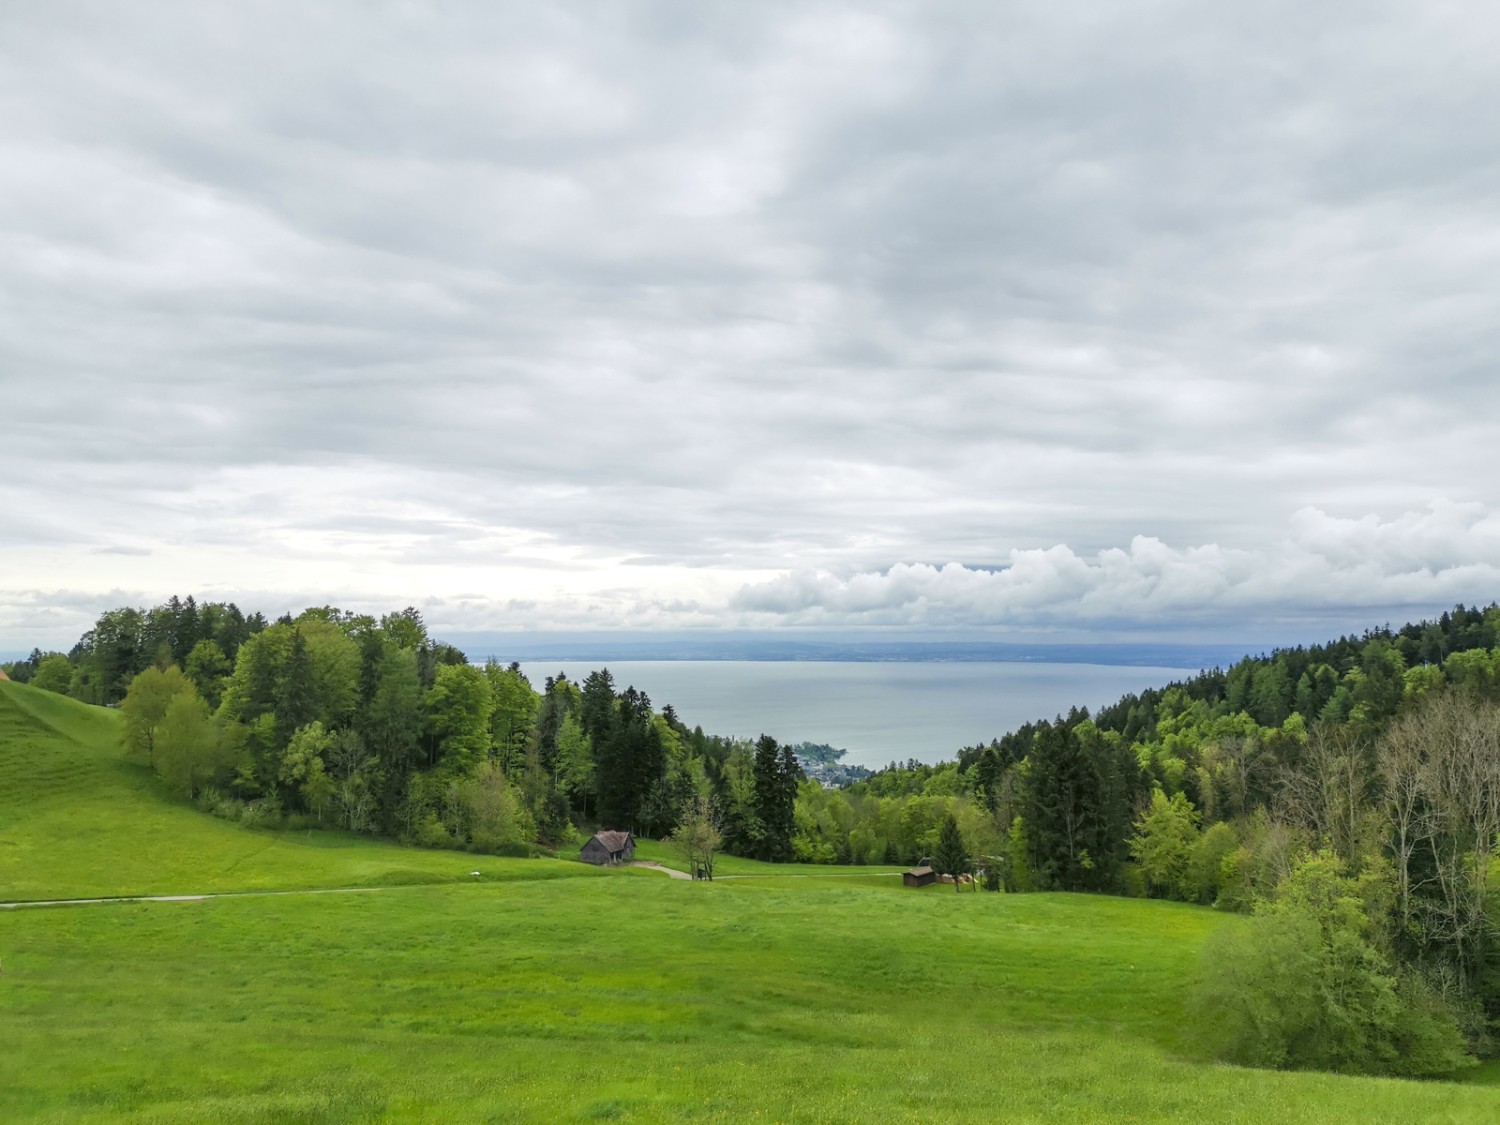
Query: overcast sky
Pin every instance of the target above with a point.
(1061, 320)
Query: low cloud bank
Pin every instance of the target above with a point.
(1323, 566)
(1325, 574)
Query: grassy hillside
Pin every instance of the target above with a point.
(636, 999)
(812, 995)
(77, 820)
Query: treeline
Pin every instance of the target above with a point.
(371, 725)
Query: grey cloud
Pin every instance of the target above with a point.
(830, 288)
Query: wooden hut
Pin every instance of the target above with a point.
(608, 848)
(919, 877)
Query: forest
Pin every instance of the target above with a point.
(1344, 797)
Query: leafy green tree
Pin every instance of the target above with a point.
(53, 673)
(514, 715)
(190, 746)
(335, 666)
(208, 667)
(1379, 689)
(460, 704)
(114, 652)
(350, 766)
(492, 815)
(696, 840)
(145, 705)
(405, 629)
(302, 768)
(1205, 871)
(574, 761)
(1163, 846)
(952, 855)
(1303, 985)
(1271, 693)
(735, 801)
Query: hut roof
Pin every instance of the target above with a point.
(613, 841)
(920, 871)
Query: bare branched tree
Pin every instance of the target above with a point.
(1330, 794)
(1440, 768)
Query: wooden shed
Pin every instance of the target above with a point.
(919, 877)
(608, 848)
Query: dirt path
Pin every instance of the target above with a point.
(213, 894)
(670, 872)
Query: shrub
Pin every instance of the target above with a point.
(1300, 985)
(430, 833)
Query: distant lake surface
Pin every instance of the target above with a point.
(878, 711)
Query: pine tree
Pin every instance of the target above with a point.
(297, 699)
(952, 856)
(1078, 792)
(987, 772)
(775, 799)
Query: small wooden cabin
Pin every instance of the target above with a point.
(919, 877)
(608, 848)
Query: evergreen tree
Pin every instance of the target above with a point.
(296, 699)
(987, 773)
(390, 730)
(775, 801)
(1077, 799)
(952, 855)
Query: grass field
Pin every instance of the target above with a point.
(797, 996)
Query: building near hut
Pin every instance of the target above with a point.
(608, 848)
(919, 877)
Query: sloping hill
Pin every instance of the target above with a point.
(78, 820)
(844, 998)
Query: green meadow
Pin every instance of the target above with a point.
(549, 991)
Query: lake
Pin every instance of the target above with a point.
(879, 711)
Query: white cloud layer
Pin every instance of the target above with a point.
(1325, 568)
(567, 315)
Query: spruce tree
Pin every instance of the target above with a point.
(775, 798)
(297, 699)
(952, 857)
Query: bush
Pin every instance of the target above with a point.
(265, 813)
(431, 833)
(511, 848)
(1300, 985)
(1206, 867)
